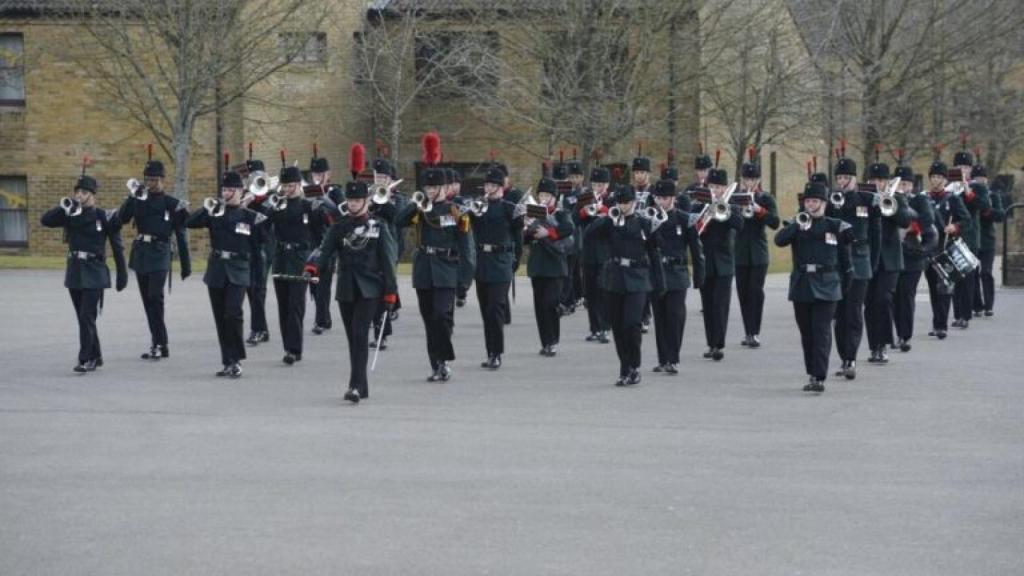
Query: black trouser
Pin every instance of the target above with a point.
(715, 295)
(750, 290)
(940, 299)
(379, 323)
(436, 306)
(86, 302)
(571, 284)
(546, 294)
(985, 285)
(963, 297)
(669, 323)
(151, 287)
(357, 316)
(625, 312)
(815, 322)
(226, 303)
(291, 311)
(878, 308)
(904, 305)
(595, 295)
(493, 298)
(321, 292)
(850, 318)
(257, 293)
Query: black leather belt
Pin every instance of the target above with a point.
(150, 238)
(435, 251)
(228, 255)
(673, 260)
(817, 268)
(493, 248)
(292, 245)
(83, 255)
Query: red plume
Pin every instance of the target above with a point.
(814, 160)
(977, 153)
(963, 140)
(380, 146)
(356, 159)
(639, 148)
(86, 161)
(316, 150)
(663, 166)
(718, 156)
(250, 150)
(700, 148)
(808, 170)
(149, 151)
(282, 158)
(878, 150)
(751, 152)
(561, 156)
(227, 160)
(431, 148)
(842, 147)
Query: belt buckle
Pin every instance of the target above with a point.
(81, 255)
(488, 248)
(225, 255)
(624, 262)
(812, 268)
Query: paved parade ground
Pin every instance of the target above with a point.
(544, 467)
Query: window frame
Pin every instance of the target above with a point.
(3, 211)
(17, 70)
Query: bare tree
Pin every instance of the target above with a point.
(167, 64)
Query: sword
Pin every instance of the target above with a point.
(293, 278)
(383, 325)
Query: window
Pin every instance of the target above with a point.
(12, 70)
(13, 211)
(452, 63)
(303, 47)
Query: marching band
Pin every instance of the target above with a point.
(628, 253)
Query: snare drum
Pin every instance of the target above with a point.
(955, 263)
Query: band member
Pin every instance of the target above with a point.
(675, 236)
(641, 179)
(296, 221)
(918, 245)
(631, 272)
(498, 231)
(88, 229)
(857, 210)
(572, 288)
(364, 250)
(550, 238)
(887, 256)
(977, 200)
(384, 175)
(814, 284)
(440, 229)
(985, 286)
(594, 254)
(234, 236)
(701, 165)
(515, 196)
(156, 216)
(320, 173)
(261, 259)
(752, 257)
(670, 172)
(467, 248)
(719, 239)
(951, 220)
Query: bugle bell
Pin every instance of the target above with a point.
(214, 206)
(422, 202)
(70, 206)
(277, 202)
(260, 184)
(137, 189)
(656, 215)
(381, 194)
(887, 198)
(803, 219)
(837, 199)
(720, 210)
(618, 218)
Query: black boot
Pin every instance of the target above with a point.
(352, 396)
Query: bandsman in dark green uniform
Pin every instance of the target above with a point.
(384, 174)
(676, 236)
(156, 216)
(977, 199)
(814, 284)
(235, 233)
(498, 232)
(572, 288)
(550, 238)
(261, 261)
(320, 174)
(364, 250)
(857, 208)
(951, 221)
(296, 221)
(918, 245)
(752, 258)
(701, 165)
(595, 252)
(631, 272)
(641, 180)
(88, 229)
(985, 285)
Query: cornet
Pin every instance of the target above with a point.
(70, 206)
(214, 206)
(803, 219)
(422, 202)
(343, 209)
(260, 184)
(277, 202)
(137, 189)
(837, 199)
(618, 218)
(380, 194)
(656, 215)
(887, 198)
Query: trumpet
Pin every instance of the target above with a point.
(618, 218)
(70, 206)
(214, 206)
(277, 202)
(803, 219)
(421, 201)
(381, 194)
(887, 198)
(137, 189)
(837, 199)
(593, 209)
(260, 184)
(656, 215)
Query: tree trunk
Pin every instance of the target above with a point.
(182, 148)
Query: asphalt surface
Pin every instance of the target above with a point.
(544, 467)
